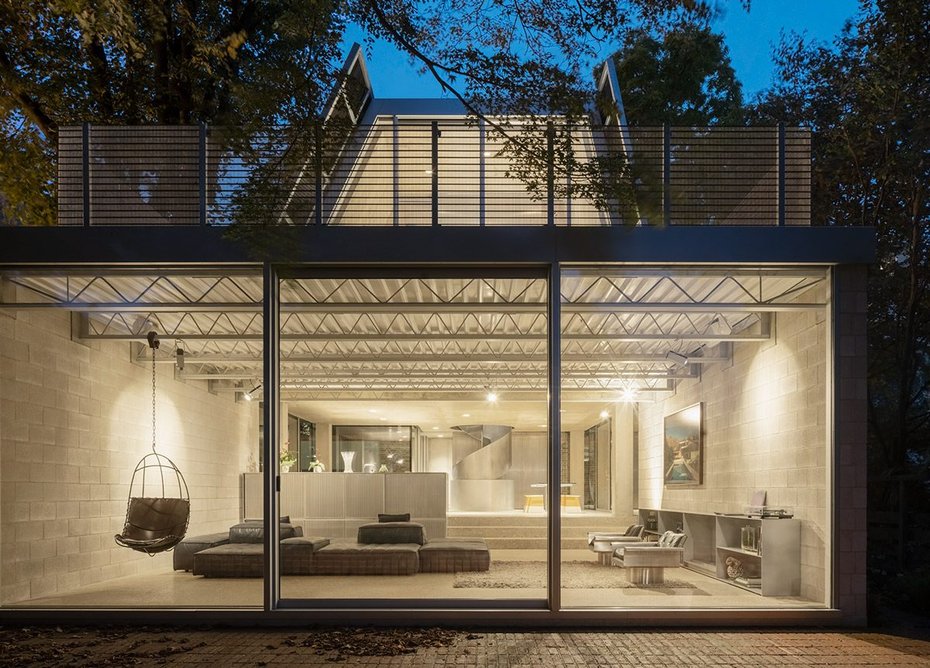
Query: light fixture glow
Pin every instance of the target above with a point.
(605, 414)
(491, 396)
(248, 396)
(629, 394)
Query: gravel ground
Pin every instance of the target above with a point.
(151, 646)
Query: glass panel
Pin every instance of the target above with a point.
(429, 400)
(704, 444)
(79, 461)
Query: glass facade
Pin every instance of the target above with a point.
(713, 422)
(414, 446)
(102, 435)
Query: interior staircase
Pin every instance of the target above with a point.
(528, 531)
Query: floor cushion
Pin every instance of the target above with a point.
(246, 560)
(254, 532)
(392, 532)
(449, 555)
(367, 559)
(183, 558)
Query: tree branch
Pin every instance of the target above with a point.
(30, 107)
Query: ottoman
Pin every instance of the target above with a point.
(448, 555)
(233, 560)
(366, 559)
(247, 560)
(185, 550)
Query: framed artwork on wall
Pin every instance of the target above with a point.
(684, 446)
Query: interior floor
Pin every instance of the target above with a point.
(180, 589)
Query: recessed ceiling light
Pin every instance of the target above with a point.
(383, 419)
(372, 410)
(466, 414)
(435, 427)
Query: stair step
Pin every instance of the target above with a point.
(534, 519)
(532, 544)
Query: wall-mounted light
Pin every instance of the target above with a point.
(491, 396)
(605, 414)
(676, 358)
(629, 394)
(248, 396)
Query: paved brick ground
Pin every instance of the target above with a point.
(232, 647)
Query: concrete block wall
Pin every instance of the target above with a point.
(765, 427)
(75, 417)
(851, 366)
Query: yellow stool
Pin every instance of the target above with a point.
(532, 501)
(571, 501)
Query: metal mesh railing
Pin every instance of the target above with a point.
(451, 173)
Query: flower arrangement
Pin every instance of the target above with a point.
(288, 458)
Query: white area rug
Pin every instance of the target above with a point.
(575, 575)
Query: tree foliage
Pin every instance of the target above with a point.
(684, 78)
(254, 63)
(867, 99)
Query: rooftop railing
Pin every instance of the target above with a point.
(449, 172)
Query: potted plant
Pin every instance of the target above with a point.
(288, 459)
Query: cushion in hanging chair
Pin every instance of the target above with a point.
(154, 525)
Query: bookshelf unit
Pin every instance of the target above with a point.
(712, 538)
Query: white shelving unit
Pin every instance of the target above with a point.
(712, 538)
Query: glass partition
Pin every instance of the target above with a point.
(129, 407)
(428, 392)
(703, 437)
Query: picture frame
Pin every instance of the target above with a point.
(684, 447)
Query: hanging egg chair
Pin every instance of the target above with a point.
(158, 510)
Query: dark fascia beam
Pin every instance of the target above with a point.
(347, 308)
(671, 336)
(442, 246)
(464, 358)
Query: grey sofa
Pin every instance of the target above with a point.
(241, 554)
(383, 548)
(400, 548)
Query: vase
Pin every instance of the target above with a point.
(347, 458)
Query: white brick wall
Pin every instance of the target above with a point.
(75, 417)
(764, 428)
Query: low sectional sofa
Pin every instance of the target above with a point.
(383, 548)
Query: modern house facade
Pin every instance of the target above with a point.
(405, 316)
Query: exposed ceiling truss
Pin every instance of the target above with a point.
(381, 338)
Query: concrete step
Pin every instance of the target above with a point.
(580, 533)
(581, 520)
(532, 544)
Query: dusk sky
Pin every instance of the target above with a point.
(749, 36)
